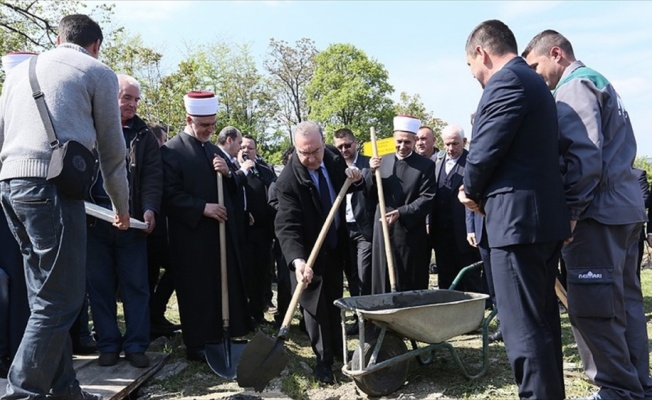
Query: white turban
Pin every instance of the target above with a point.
(200, 103)
(406, 123)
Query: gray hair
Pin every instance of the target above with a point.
(228, 132)
(130, 80)
(306, 128)
(453, 130)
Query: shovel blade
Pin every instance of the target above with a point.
(223, 357)
(263, 359)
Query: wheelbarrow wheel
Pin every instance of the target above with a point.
(386, 380)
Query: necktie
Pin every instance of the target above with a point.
(326, 204)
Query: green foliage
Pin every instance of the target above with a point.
(412, 105)
(127, 54)
(644, 164)
(338, 87)
(349, 89)
(28, 25)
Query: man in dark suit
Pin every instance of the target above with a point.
(409, 187)
(260, 229)
(512, 175)
(359, 219)
(307, 185)
(448, 216)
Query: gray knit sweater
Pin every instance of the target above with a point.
(81, 94)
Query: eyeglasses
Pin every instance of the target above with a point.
(345, 146)
(309, 153)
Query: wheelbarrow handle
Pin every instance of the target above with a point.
(313, 256)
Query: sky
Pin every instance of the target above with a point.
(420, 43)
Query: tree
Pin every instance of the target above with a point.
(127, 54)
(291, 69)
(171, 91)
(349, 89)
(412, 105)
(29, 25)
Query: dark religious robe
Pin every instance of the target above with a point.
(409, 186)
(190, 181)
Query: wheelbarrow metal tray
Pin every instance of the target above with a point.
(429, 316)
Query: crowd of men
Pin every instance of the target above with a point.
(507, 200)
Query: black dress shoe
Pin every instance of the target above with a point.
(199, 356)
(324, 373)
(496, 337)
(138, 360)
(108, 359)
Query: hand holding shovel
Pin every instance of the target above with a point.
(264, 357)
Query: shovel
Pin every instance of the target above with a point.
(264, 357)
(223, 357)
(383, 220)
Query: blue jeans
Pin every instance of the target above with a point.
(4, 314)
(14, 310)
(118, 259)
(49, 228)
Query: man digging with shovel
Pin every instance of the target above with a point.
(307, 189)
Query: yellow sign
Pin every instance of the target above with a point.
(385, 146)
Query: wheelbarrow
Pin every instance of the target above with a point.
(379, 365)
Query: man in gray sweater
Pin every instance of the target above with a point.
(80, 94)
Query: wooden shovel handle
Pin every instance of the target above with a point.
(314, 253)
(561, 293)
(223, 274)
(383, 220)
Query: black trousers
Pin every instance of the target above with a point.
(524, 281)
(451, 260)
(322, 317)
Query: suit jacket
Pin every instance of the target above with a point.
(512, 167)
(456, 178)
(300, 215)
(363, 206)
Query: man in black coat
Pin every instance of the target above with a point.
(448, 217)
(118, 258)
(259, 232)
(307, 185)
(512, 175)
(409, 188)
(190, 199)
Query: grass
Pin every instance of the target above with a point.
(441, 379)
